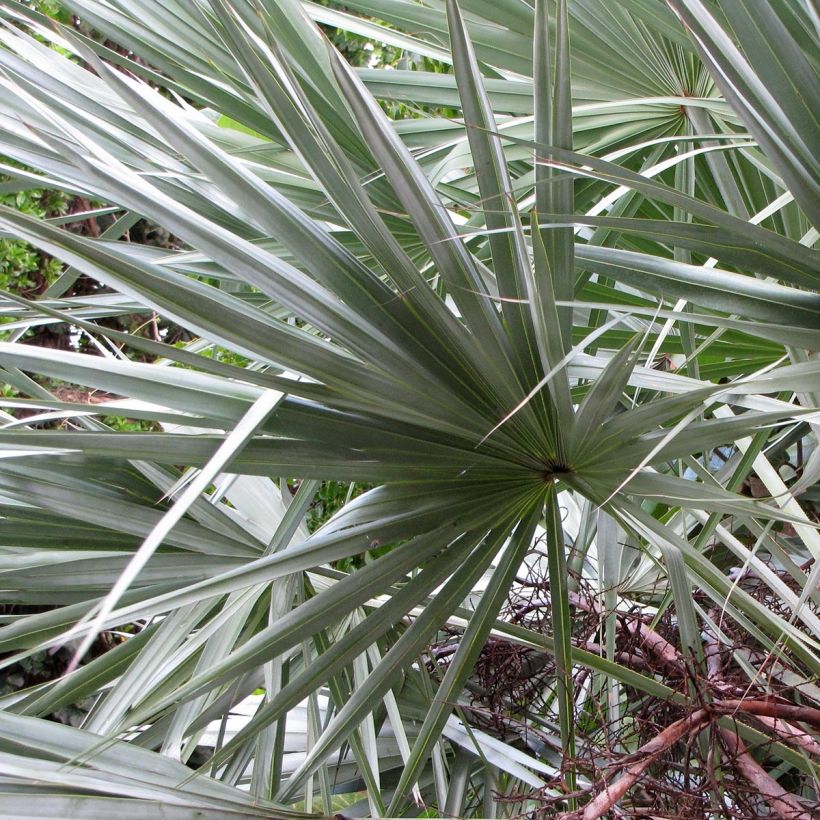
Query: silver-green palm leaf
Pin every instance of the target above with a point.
(569, 296)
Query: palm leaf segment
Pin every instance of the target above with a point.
(418, 304)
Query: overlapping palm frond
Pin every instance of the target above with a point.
(566, 300)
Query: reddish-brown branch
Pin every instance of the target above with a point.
(661, 648)
(91, 223)
(771, 712)
(582, 603)
(657, 644)
(611, 794)
(785, 804)
(627, 659)
(770, 708)
(790, 732)
(525, 609)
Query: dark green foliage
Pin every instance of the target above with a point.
(24, 269)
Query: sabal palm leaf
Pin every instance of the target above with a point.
(420, 331)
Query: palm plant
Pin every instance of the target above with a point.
(537, 323)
